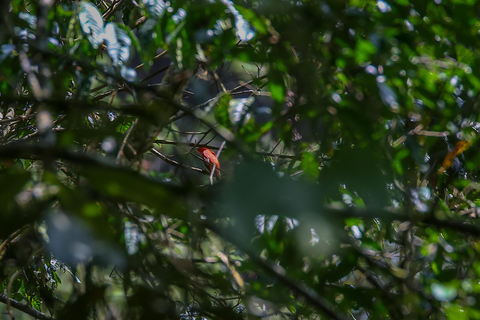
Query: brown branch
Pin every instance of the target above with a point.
(18, 119)
(219, 130)
(158, 56)
(33, 134)
(111, 10)
(191, 144)
(10, 238)
(276, 155)
(186, 144)
(231, 91)
(155, 73)
(176, 163)
(248, 83)
(457, 225)
(9, 292)
(24, 308)
(124, 87)
(105, 94)
(37, 89)
(215, 165)
(139, 21)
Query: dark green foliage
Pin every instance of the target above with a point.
(343, 191)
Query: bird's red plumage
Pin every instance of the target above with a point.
(210, 160)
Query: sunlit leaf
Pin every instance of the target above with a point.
(244, 30)
(92, 23)
(118, 43)
(277, 91)
(238, 110)
(29, 18)
(443, 292)
(155, 8)
(364, 50)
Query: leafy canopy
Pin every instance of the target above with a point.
(346, 133)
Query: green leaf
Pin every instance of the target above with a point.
(238, 110)
(361, 170)
(221, 111)
(256, 22)
(310, 165)
(277, 91)
(397, 162)
(131, 35)
(364, 50)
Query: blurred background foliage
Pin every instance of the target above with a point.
(347, 134)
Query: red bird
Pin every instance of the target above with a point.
(210, 159)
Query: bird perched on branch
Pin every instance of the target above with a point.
(210, 160)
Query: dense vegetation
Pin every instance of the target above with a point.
(347, 135)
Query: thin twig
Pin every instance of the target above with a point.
(10, 238)
(125, 139)
(158, 56)
(231, 91)
(139, 21)
(191, 144)
(155, 73)
(32, 78)
(176, 163)
(18, 119)
(9, 292)
(123, 87)
(111, 10)
(214, 164)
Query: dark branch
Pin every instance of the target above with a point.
(25, 308)
(301, 290)
(176, 163)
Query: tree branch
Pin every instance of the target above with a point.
(310, 296)
(25, 308)
(176, 163)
